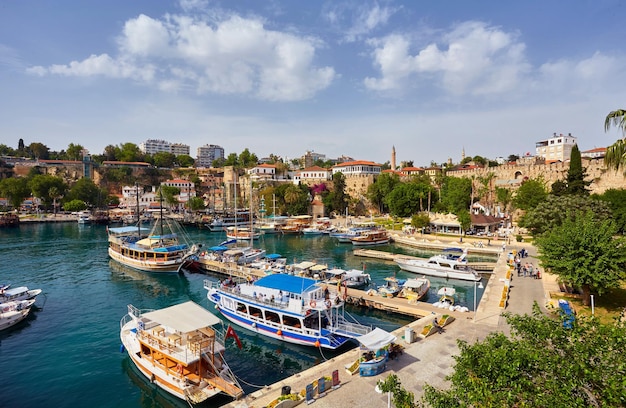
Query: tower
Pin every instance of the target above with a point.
(393, 158)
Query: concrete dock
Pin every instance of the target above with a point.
(426, 360)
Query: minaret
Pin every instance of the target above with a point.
(463, 154)
(393, 158)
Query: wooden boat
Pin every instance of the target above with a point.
(13, 312)
(162, 249)
(181, 350)
(392, 286)
(368, 238)
(287, 308)
(242, 234)
(414, 289)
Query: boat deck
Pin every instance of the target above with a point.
(482, 267)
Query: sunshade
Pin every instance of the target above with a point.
(376, 339)
(185, 317)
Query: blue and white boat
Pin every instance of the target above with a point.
(289, 308)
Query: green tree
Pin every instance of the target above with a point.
(75, 205)
(403, 201)
(85, 190)
(465, 219)
(380, 188)
(455, 194)
(530, 194)
(504, 196)
(169, 195)
(74, 152)
(39, 151)
(616, 200)
(247, 159)
(184, 160)
(129, 152)
(41, 184)
(553, 210)
(420, 220)
(196, 204)
(164, 159)
(584, 252)
(232, 160)
(401, 397)
(15, 189)
(339, 196)
(54, 193)
(576, 183)
(615, 156)
(542, 364)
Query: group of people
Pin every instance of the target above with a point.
(527, 269)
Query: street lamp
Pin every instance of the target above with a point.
(480, 285)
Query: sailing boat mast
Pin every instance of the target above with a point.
(138, 216)
(251, 217)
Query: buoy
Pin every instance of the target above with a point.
(122, 348)
(253, 324)
(317, 343)
(312, 303)
(279, 332)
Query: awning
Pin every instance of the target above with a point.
(376, 339)
(185, 317)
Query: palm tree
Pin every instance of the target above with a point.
(616, 153)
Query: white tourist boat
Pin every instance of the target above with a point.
(84, 217)
(20, 293)
(181, 350)
(440, 266)
(288, 308)
(391, 287)
(14, 312)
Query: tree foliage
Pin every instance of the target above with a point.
(616, 200)
(404, 199)
(455, 194)
(382, 186)
(530, 194)
(615, 156)
(41, 184)
(584, 252)
(15, 189)
(542, 364)
(86, 190)
(576, 183)
(553, 210)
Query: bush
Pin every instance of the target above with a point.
(519, 238)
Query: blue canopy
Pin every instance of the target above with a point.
(218, 248)
(273, 256)
(228, 242)
(287, 283)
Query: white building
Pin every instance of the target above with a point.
(312, 174)
(152, 146)
(357, 168)
(263, 172)
(207, 154)
(178, 149)
(557, 148)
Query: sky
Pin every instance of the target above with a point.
(433, 79)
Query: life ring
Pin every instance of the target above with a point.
(312, 303)
(329, 304)
(179, 368)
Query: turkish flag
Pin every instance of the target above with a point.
(230, 332)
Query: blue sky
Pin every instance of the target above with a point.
(339, 77)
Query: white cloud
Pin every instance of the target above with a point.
(361, 19)
(233, 55)
(473, 58)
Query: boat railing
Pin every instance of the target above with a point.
(277, 303)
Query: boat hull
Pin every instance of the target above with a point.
(148, 266)
(433, 270)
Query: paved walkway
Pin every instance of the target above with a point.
(425, 361)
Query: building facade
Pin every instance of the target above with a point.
(207, 154)
(557, 148)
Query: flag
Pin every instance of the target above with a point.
(230, 332)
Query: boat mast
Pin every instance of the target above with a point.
(161, 211)
(138, 216)
(251, 218)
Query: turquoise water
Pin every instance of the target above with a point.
(67, 354)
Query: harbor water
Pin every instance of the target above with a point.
(67, 352)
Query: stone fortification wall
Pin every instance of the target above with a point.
(356, 186)
(601, 178)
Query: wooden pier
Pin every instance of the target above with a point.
(354, 296)
(482, 267)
